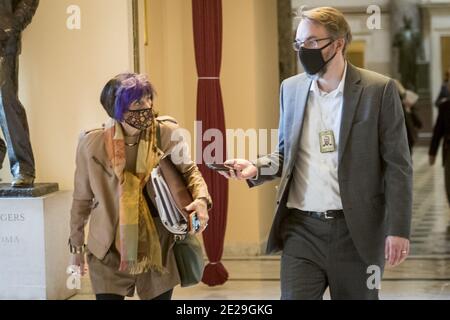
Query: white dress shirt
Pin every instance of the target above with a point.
(315, 184)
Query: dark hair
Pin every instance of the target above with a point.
(121, 91)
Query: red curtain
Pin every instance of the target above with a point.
(207, 20)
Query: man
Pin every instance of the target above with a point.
(445, 92)
(15, 15)
(341, 209)
(442, 132)
(412, 120)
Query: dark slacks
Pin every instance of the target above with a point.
(3, 151)
(165, 296)
(447, 173)
(13, 119)
(320, 254)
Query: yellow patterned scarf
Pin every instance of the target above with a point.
(138, 240)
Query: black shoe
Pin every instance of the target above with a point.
(23, 182)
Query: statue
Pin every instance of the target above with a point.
(15, 15)
(408, 43)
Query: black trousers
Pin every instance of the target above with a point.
(447, 173)
(320, 254)
(165, 296)
(13, 119)
(3, 151)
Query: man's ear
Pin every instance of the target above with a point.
(340, 45)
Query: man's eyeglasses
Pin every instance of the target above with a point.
(309, 44)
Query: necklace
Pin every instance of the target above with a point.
(132, 144)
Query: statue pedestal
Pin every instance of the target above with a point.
(33, 243)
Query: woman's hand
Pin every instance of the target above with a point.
(200, 206)
(79, 260)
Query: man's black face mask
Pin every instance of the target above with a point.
(312, 59)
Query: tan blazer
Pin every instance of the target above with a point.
(96, 196)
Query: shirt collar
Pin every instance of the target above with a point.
(333, 94)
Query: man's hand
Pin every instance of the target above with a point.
(396, 250)
(201, 208)
(432, 160)
(79, 261)
(240, 169)
(8, 28)
(408, 106)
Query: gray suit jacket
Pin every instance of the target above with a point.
(375, 170)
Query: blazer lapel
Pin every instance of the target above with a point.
(300, 102)
(352, 94)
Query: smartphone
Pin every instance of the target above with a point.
(219, 167)
(194, 222)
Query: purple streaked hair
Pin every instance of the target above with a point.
(132, 87)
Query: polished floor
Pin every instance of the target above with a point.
(425, 275)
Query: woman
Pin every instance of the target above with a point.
(128, 248)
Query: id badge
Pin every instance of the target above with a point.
(327, 141)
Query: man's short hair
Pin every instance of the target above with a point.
(333, 20)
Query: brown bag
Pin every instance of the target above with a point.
(177, 186)
(172, 196)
